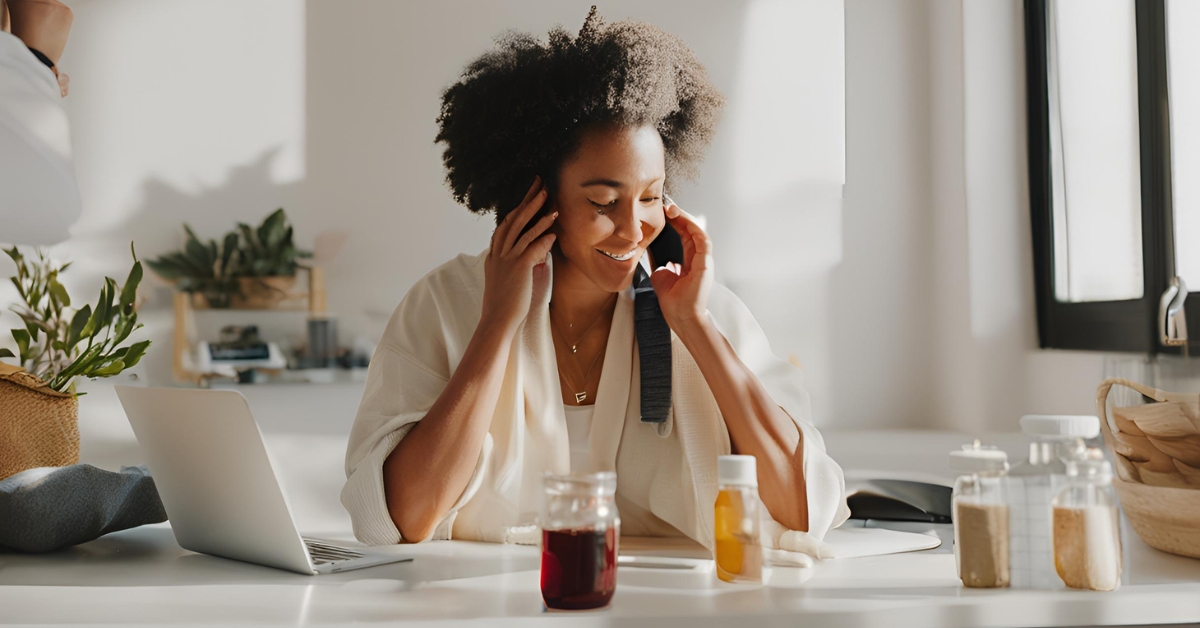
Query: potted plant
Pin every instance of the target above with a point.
(39, 408)
(205, 269)
(267, 261)
(252, 268)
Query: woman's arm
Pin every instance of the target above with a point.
(431, 466)
(757, 425)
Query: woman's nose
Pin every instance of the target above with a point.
(629, 224)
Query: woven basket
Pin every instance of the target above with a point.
(1156, 450)
(39, 427)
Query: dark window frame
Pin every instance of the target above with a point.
(1130, 325)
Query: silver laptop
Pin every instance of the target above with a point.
(221, 495)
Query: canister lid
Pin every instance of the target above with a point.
(1060, 426)
(976, 458)
(741, 470)
(1092, 466)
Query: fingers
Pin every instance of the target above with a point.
(687, 226)
(521, 217)
(697, 246)
(537, 230)
(505, 226)
(539, 249)
(664, 279)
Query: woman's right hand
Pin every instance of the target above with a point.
(513, 261)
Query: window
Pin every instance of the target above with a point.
(1114, 108)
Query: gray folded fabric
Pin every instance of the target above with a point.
(50, 508)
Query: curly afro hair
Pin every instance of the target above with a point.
(519, 111)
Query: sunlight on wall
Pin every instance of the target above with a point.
(181, 92)
(783, 237)
(787, 117)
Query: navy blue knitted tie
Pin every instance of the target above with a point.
(654, 349)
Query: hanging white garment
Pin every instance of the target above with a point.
(39, 198)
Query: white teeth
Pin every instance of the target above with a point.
(619, 258)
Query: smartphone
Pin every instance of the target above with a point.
(668, 246)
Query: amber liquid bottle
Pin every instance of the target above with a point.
(737, 549)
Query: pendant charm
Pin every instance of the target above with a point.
(580, 396)
(574, 349)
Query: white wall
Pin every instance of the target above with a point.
(212, 113)
(989, 370)
(908, 297)
(928, 318)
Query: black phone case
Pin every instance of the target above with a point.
(667, 247)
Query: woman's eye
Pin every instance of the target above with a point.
(601, 207)
(651, 199)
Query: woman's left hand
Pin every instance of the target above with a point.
(683, 289)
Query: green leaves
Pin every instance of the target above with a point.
(78, 322)
(59, 345)
(23, 338)
(213, 269)
(269, 250)
(129, 290)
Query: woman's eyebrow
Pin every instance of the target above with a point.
(612, 183)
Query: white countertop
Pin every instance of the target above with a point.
(143, 577)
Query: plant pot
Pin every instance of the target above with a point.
(257, 293)
(39, 427)
(261, 293)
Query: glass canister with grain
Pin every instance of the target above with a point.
(981, 516)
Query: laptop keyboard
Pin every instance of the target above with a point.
(324, 553)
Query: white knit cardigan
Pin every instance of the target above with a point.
(668, 469)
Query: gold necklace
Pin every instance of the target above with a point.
(575, 345)
(580, 395)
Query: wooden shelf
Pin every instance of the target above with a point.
(312, 301)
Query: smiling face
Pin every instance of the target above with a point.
(610, 204)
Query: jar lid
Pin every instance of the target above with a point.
(1093, 467)
(599, 483)
(740, 470)
(975, 458)
(1060, 426)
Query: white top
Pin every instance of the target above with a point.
(579, 427)
(667, 473)
(40, 196)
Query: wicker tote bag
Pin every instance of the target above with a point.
(39, 427)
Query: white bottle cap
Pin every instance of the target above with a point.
(976, 459)
(1060, 427)
(738, 470)
(1093, 466)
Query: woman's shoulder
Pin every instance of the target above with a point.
(445, 302)
(733, 318)
(460, 276)
(457, 282)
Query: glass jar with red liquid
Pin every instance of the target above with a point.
(580, 532)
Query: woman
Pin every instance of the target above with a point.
(499, 367)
